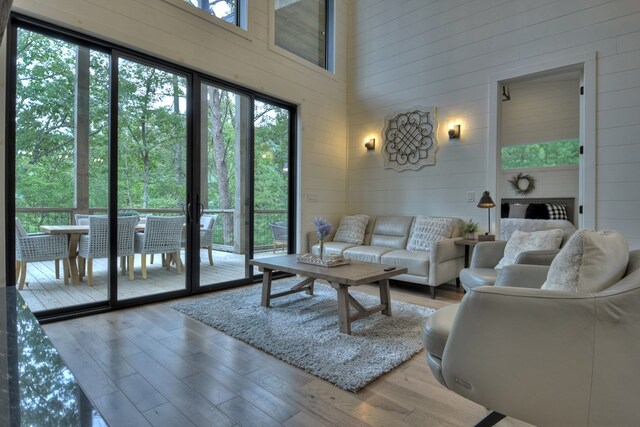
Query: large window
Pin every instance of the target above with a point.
(541, 155)
(223, 9)
(305, 28)
(134, 179)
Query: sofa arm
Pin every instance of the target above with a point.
(523, 276)
(444, 250)
(506, 343)
(538, 257)
(487, 254)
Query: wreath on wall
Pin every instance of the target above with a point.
(523, 184)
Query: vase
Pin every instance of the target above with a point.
(470, 236)
(321, 250)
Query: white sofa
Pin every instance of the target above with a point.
(385, 242)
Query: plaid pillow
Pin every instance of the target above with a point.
(557, 211)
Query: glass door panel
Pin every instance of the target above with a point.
(62, 128)
(223, 246)
(152, 153)
(271, 181)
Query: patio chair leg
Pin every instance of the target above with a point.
(65, 270)
(143, 265)
(151, 260)
(274, 247)
(17, 271)
(81, 266)
(131, 259)
(90, 271)
(23, 274)
(210, 255)
(123, 267)
(178, 262)
(57, 263)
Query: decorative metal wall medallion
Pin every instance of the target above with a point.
(410, 139)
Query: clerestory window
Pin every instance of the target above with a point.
(305, 28)
(227, 10)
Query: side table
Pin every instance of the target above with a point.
(468, 244)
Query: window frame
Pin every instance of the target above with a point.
(331, 7)
(242, 18)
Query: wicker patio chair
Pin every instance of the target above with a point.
(96, 244)
(82, 219)
(280, 233)
(162, 235)
(206, 234)
(38, 248)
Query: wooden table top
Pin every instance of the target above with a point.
(470, 242)
(73, 229)
(354, 274)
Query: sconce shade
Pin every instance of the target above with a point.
(454, 132)
(486, 201)
(371, 144)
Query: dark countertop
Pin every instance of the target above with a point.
(36, 387)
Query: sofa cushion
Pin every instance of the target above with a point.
(521, 241)
(351, 229)
(416, 262)
(332, 248)
(366, 253)
(590, 262)
(391, 231)
(428, 229)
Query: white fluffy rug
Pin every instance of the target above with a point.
(303, 330)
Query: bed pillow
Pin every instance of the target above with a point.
(537, 211)
(504, 210)
(517, 210)
(589, 262)
(521, 241)
(351, 229)
(557, 211)
(428, 230)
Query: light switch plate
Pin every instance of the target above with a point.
(471, 196)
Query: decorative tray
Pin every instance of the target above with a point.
(331, 261)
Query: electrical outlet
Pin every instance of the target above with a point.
(471, 196)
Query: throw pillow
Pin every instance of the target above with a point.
(537, 211)
(589, 262)
(351, 229)
(521, 241)
(427, 230)
(518, 210)
(557, 211)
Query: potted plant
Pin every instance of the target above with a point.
(470, 229)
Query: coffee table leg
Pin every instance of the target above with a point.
(266, 287)
(385, 296)
(343, 307)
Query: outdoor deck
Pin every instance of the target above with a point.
(44, 292)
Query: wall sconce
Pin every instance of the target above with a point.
(454, 131)
(370, 144)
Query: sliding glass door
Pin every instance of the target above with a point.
(135, 179)
(152, 168)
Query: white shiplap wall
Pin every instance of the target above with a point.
(443, 52)
(166, 31)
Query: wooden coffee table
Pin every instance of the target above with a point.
(340, 278)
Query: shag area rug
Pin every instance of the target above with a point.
(303, 330)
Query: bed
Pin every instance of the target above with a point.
(532, 214)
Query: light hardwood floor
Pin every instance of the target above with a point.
(154, 366)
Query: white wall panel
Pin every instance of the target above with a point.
(443, 53)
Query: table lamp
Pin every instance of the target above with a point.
(486, 202)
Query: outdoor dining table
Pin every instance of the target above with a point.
(74, 232)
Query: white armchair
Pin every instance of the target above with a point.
(206, 234)
(545, 357)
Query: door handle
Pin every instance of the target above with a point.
(189, 216)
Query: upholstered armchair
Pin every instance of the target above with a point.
(546, 357)
(486, 255)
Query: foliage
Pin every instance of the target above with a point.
(152, 138)
(323, 227)
(544, 154)
(470, 227)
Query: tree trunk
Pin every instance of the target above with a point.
(220, 161)
(179, 166)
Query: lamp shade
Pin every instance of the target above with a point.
(486, 201)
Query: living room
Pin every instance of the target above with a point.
(454, 56)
